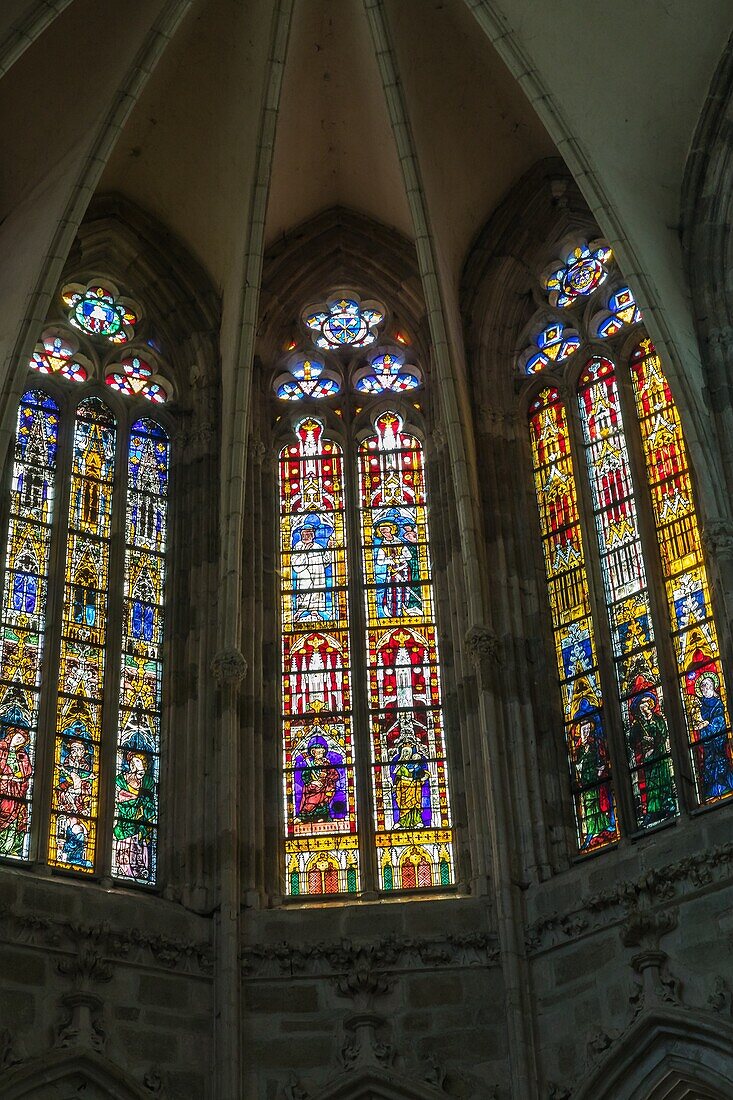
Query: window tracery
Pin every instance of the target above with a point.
(638, 655)
(81, 648)
(364, 764)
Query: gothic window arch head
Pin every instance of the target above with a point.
(365, 775)
(643, 684)
(81, 652)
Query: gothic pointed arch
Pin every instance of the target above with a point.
(558, 347)
(123, 399)
(684, 1055)
(342, 350)
(72, 1073)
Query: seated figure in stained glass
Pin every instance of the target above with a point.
(317, 782)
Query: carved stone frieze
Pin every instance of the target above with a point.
(675, 880)
(229, 666)
(346, 959)
(94, 946)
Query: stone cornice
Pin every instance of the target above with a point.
(389, 955)
(671, 882)
(77, 938)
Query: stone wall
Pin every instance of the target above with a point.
(121, 976)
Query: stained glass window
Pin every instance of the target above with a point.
(387, 371)
(134, 377)
(412, 817)
(110, 477)
(75, 785)
(699, 669)
(134, 849)
(583, 269)
(554, 344)
(626, 588)
(622, 310)
(98, 310)
(575, 646)
(344, 323)
(32, 502)
(321, 844)
(610, 445)
(306, 377)
(365, 781)
(56, 355)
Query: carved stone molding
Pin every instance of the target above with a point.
(363, 983)
(608, 907)
(229, 667)
(90, 948)
(346, 960)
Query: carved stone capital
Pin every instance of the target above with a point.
(484, 647)
(229, 667)
(717, 537)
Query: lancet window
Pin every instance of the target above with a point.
(365, 783)
(83, 597)
(635, 639)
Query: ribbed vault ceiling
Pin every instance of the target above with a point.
(616, 91)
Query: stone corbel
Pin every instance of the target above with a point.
(656, 987)
(485, 650)
(717, 538)
(83, 1023)
(229, 667)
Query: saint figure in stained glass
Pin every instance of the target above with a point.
(396, 564)
(319, 779)
(648, 739)
(589, 755)
(72, 796)
(713, 745)
(410, 785)
(312, 563)
(15, 774)
(135, 812)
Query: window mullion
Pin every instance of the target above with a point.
(358, 639)
(111, 692)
